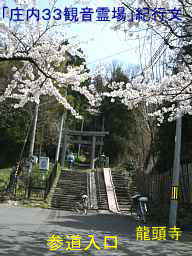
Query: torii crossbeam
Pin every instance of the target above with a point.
(93, 134)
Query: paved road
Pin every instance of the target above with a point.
(24, 232)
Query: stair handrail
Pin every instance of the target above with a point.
(114, 191)
(112, 188)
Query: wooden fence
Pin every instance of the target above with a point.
(158, 186)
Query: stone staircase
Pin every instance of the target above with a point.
(122, 189)
(69, 187)
(102, 200)
(71, 184)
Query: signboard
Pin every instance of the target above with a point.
(34, 159)
(44, 163)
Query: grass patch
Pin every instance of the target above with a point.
(34, 204)
(4, 178)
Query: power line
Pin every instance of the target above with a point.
(126, 50)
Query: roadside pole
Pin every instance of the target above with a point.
(175, 178)
(32, 141)
(64, 143)
(60, 137)
(31, 148)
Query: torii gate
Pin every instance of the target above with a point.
(94, 134)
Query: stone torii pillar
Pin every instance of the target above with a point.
(93, 152)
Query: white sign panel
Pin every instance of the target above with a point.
(34, 159)
(44, 163)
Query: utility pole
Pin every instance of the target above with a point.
(32, 141)
(175, 178)
(63, 152)
(31, 148)
(64, 148)
(60, 137)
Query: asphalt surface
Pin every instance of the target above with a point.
(26, 231)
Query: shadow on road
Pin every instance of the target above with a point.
(34, 244)
(106, 223)
(28, 236)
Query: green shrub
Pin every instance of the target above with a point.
(4, 178)
(81, 159)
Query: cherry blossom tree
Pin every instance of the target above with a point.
(41, 53)
(176, 86)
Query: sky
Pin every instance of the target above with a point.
(101, 44)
